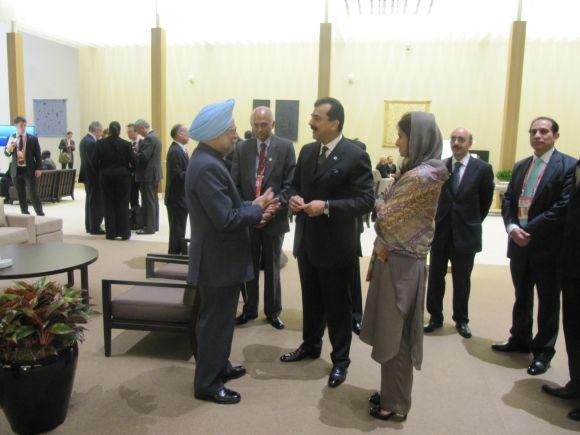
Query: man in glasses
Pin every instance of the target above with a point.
(533, 210)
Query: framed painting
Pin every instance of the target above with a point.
(394, 110)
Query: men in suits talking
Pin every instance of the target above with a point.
(135, 140)
(148, 174)
(177, 160)
(533, 209)
(463, 205)
(25, 163)
(94, 205)
(219, 253)
(332, 187)
(265, 161)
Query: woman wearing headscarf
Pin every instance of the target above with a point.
(393, 317)
(114, 159)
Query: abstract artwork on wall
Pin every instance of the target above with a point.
(50, 117)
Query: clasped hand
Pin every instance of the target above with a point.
(312, 209)
(520, 237)
(269, 205)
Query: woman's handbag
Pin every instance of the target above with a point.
(65, 158)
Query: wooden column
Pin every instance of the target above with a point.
(324, 58)
(158, 92)
(15, 75)
(513, 93)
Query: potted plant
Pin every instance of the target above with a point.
(40, 326)
(504, 176)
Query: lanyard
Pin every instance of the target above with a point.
(540, 175)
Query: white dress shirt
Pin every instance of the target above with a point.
(330, 145)
(464, 161)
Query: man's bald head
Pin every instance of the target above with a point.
(262, 121)
(460, 140)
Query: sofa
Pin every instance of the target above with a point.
(16, 229)
(51, 186)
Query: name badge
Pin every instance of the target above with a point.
(524, 204)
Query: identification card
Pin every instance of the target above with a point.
(524, 204)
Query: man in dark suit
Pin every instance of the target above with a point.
(177, 160)
(571, 298)
(332, 187)
(219, 253)
(386, 167)
(463, 205)
(25, 164)
(148, 175)
(135, 140)
(533, 210)
(67, 145)
(266, 161)
(88, 175)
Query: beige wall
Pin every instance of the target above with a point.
(464, 79)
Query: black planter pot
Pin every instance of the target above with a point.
(35, 397)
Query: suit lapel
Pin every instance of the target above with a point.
(333, 158)
(270, 159)
(467, 175)
(519, 182)
(251, 156)
(548, 174)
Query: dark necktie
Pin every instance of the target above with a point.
(455, 178)
(20, 143)
(261, 169)
(322, 156)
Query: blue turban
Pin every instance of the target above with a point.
(212, 120)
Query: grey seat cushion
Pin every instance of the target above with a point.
(172, 271)
(152, 303)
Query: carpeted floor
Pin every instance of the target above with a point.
(146, 386)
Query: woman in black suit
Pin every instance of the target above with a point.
(114, 160)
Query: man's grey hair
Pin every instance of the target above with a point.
(94, 126)
(141, 123)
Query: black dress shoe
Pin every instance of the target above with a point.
(234, 373)
(574, 414)
(538, 367)
(375, 411)
(561, 392)
(337, 377)
(298, 355)
(510, 346)
(356, 325)
(375, 398)
(97, 233)
(276, 322)
(463, 329)
(244, 318)
(142, 232)
(223, 396)
(432, 326)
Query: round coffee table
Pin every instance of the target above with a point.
(42, 259)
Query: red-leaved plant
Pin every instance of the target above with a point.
(38, 320)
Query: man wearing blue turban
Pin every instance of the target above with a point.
(219, 253)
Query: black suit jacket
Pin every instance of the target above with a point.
(280, 165)
(219, 251)
(113, 156)
(32, 156)
(460, 215)
(149, 159)
(571, 244)
(345, 181)
(176, 167)
(548, 209)
(88, 173)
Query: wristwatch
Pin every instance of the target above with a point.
(326, 209)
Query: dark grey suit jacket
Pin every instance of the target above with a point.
(149, 159)
(219, 251)
(280, 165)
(176, 167)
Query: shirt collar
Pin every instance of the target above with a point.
(332, 144)
(267, 142)
(183, 147)
(464, 161)
(546, 156)
(93, 136)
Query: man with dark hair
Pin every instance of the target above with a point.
(331, 189)
(148, 175)
(248, 135)
(135, 140)
(67, 146)
(94, 205)
(25, 165)
(533, 210)
(463, 205)
(176, 166)
(47, 163)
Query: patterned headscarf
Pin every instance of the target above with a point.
(425, 142)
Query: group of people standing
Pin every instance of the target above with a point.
(112, 169)
(434, 207)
